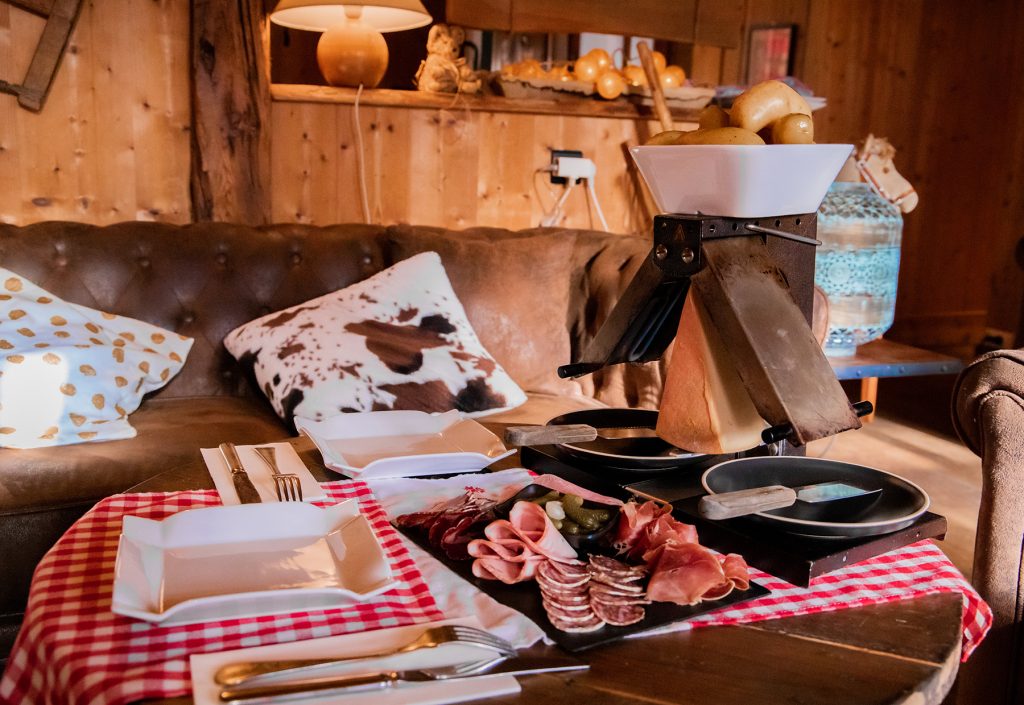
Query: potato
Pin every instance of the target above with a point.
(765, 103)
(666, 137)
(794, 128)
(721, 135)
(713, 116)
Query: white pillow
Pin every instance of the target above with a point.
(398, 340)
(70, 374)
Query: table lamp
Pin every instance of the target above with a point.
(351, 50)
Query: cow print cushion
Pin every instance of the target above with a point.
(398, 340)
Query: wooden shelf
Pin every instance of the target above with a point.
(579, 107)
(885, 358)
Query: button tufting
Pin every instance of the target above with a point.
(144, 262)
(367, 259)
(222, 258)
(296, 258)
(188, 317)
(61, 261)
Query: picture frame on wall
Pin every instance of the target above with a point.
(770, 52)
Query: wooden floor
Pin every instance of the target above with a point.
(941, 465)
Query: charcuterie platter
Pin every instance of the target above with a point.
(622, 569)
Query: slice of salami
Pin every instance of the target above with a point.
(567, 610)
(565, 598)
(610, 594)
(593, 624)
(619, 615)
(569, 570)
(602, 565)
(554, 578)
(632, 588)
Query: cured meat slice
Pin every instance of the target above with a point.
(554, 482)
(736, 570)
(508, 572)
(555, 578)
(619, 615)
(526, 537)
(534, 527)
(633, 519)
(592, 624)
(607, 593)
(683, 573)
(612, 568)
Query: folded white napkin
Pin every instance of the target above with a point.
(287, 460)
(205, 691)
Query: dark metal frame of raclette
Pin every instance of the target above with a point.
(692, 248)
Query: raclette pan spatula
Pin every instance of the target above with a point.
(825, 501)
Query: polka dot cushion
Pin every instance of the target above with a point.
(398, 340)
(70, 374)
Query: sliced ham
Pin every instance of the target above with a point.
(515, 547)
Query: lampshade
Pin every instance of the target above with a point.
(321, 15)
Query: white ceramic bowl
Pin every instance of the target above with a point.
(740, 181)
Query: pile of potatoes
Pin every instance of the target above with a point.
(768, 113)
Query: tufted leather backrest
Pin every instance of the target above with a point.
(199, 280)
(205, 279)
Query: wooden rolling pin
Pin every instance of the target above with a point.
(654, 83)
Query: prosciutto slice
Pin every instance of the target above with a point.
(685, 573)
(514, 548)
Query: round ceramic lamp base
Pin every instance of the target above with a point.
(352, 53)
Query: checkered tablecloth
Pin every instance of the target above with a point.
(913, 571)
(73, 650)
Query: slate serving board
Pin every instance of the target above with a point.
(525, 598)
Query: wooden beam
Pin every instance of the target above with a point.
(230, 112)
(38, 7)
(60, 20)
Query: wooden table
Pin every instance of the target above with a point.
(885, 358)
(903, 652)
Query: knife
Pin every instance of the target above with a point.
(246, 491)
(518, 666)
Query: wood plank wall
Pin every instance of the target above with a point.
(112, 141)
(451, 168)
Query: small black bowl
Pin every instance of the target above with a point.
(585, 542)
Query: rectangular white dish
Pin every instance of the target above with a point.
(403, 443)
(740, 181)
(247, 560)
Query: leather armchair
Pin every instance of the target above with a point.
(988, 412)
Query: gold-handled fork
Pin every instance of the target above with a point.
(237, 673)
(287, 485)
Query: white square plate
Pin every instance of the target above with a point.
(403, 443)
(247, 560)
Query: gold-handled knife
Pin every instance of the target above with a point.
(518, 666)
(244, 488)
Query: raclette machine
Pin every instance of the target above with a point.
(755, 277)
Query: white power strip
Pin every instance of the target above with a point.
(574, 168)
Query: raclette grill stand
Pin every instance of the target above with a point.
(755, 277)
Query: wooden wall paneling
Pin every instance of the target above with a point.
(460, 154)
(394, 199)
(674, 20)
(424, 163)
(230, 109)
(161, 127)
(707, 65)
(113, 159)
(720, 23)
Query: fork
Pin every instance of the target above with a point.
(236, 673)
(279, 692)
(287, 485)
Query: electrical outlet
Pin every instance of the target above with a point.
(555, 154)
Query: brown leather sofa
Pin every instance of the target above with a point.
(203, 280)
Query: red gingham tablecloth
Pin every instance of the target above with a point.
(912, 571)
(75, 651)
